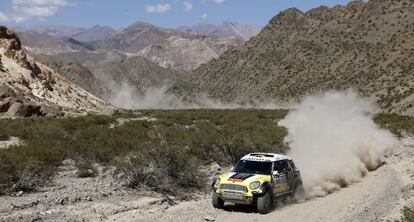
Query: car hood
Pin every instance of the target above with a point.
(242, 178)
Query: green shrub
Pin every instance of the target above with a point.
(86, 169)
(163, 155)
(34, 175)
(397, 124)
(408, 214)
(3, 135)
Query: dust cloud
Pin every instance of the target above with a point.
(128, 96)
(334, 141)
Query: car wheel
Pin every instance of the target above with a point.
(298, 192)
(265, 203)
(217, 201)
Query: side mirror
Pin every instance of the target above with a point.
(275, 173)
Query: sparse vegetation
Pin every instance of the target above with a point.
(408, 214)
(397, 124)
(163, 155)
(166, 153)
(86, 169)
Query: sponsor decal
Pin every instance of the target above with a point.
(240, 177)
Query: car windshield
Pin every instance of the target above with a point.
(256, 167)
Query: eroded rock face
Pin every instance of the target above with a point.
(14, 105)
(6, 92)
(29, 88)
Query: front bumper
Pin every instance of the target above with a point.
(232, 196)
(235, 197)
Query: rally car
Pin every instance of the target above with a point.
(258, 179)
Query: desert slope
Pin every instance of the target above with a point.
(225, 29)
(368, 46)
(27, 83)
(187, 53)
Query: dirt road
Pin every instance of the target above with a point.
(380, 196)
(377, 197)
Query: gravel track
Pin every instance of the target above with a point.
(380, 196)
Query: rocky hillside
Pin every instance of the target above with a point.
(225, 29)
(30, 88)
(167, 47)
(187, 53)
(136, 71)
(96, 32)
(136, 37)
(36, 43)
(365, 46)
(76, 73)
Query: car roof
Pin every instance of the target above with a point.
(266, 157)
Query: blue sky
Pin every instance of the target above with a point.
(165, 13)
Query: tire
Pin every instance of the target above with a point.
(217, 201)
(265, 203)
(298, 193)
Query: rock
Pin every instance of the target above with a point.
(5, 104)
(51, 110)
(215, 167)
(6, 92)
(209, 218)
(108, 111)
(62, 200)
(19, 194)
(18, 109)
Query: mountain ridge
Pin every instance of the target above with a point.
(225, 29)
(365, 46)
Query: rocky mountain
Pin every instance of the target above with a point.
(121, 80)
(97, 32)
(29, 88)
(225, 29)
(36, 43)
(136, 37)
(187, 53)
(59, 31)
(168, 47)
(76, 73)
(136, 71)
(134, 81)
(368, 46)
(80, 34)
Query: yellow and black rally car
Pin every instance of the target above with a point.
(258, 179)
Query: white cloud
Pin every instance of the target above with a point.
(204, 16)
(3, 17)
(219, 1)
(188, 6)
(26, 9)
(40, 3)
(160, 8)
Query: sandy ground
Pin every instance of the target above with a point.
(12, 141)
(380, 196)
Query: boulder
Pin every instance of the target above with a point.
(51, 110)
(108, 111)
(6, 92)
(18, 109)
(5, 104)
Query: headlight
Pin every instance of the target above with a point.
(254, 185)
